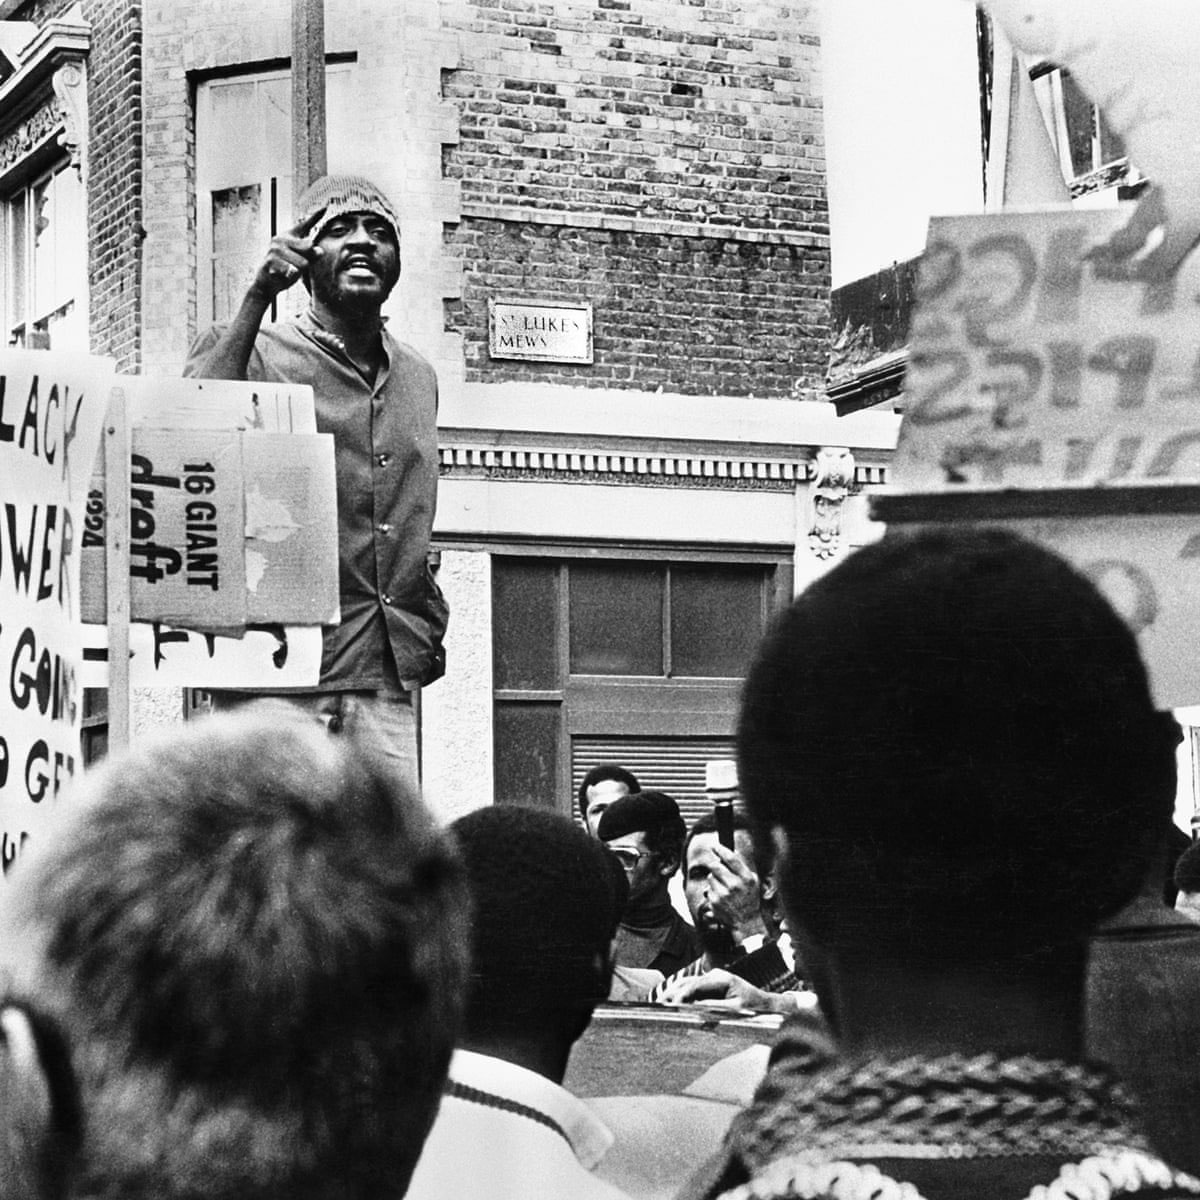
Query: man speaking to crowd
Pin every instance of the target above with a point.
(378, 397)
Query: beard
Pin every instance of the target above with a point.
(717, 941)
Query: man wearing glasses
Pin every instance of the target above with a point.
(645, 831)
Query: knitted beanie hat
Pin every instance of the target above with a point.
(338, 194)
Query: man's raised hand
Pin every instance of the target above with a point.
(287, 258)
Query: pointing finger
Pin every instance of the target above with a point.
(303, 228)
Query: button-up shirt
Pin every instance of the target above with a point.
(385, 447)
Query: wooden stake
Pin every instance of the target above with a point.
(116, 524)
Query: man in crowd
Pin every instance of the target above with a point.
(603, 784)
(732, 913)
(960, 782)
(547, 901)
(378, 398)
(645, 831)
(234, 968)
(1143, 1008)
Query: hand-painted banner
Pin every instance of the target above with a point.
(265, 657)
(52, 409)
(1031, 367)
(1063, 400)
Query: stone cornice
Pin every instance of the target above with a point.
(38, 128)
(46, 95)
(643, 468)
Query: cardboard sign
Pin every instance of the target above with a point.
(259, 407)
(52, 409)
(291, 546)
(1063, 401)
(262, 546)
(186, 524)
(1030, 368)
(226, 529)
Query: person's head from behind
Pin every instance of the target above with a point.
(951, 738)
(603, 784)
(548, 899)
(645, 831)
(700, 860)
(1187, 882)
(253, 943)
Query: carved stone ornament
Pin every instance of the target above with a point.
(832, 477)
(70, 86)
(30, 134)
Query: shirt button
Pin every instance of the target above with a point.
(383, 459)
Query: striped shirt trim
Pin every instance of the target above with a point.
(462, 1091)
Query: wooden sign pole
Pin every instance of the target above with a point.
(308, 94)
(116, 490)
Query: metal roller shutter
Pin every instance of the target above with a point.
(673, 765)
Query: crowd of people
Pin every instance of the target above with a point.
(248, 962)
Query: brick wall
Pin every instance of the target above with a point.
(115, 179)
(400, 121)
(663, 159)
(114, 73)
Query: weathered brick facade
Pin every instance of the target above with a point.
(663, 160)
(115, 232)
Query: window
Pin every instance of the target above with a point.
(45, 262)
(1092, 156)
(631, 659)
(244, 177)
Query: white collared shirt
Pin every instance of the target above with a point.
(505, 1132)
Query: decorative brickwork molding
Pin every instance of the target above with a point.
(528, 215)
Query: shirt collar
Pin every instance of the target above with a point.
(588, 1136)
(311, 324)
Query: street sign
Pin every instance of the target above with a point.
(540, 331)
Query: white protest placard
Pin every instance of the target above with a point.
(52, 409)
(1149, 568)
(266, 658)
(168, 402)
(1061, 398)
(1029, 368)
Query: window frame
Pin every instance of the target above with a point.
(1106, 172)
(213, 169)
(592, 706)
(34, 327)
